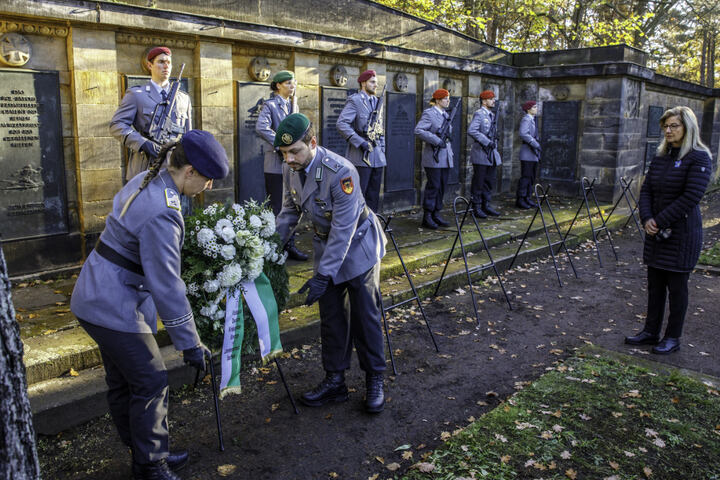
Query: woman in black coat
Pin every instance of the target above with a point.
(669, 211)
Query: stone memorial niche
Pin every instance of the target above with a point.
(653, 123)
(331, 104)
(399, 150)
(32, 187)
(559, 140)
(251, 147)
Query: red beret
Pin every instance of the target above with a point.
(154, 52)
(528, 105)
(487, 94)
(366, 75)
(440, 93)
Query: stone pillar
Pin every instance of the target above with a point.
(711, 129)
(215, 110)
(306, 68)
(92, 62)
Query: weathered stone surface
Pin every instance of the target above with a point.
(219, 120)
(95, 214)
(604, 88)
(93, 50)
(95, 87)
(98, 185)
(98, 153)
(215, 92)
(94, 120)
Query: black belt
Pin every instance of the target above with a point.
(363, 216)
(114, 257)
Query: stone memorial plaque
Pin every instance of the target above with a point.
(650, 149)
(456, 142)
(32, 187)
(251, 147)
(653, 123)
(559, 140)
(400, 148)
(332, 102)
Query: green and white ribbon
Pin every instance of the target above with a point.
(260, 299)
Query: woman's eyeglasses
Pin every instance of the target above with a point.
(672, 126)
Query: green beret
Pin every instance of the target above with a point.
(283, 76)
(292, 129)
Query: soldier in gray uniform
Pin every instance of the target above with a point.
(132, 118)
(437, 157)
(484, 156)
(281, 103)
(369, 160)
(349, 244)
(529, 156)
(132, 277)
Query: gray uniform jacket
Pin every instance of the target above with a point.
(479, 129)
(150, 234)
(333, 202)
(274, 111)
(132, 119)
(431, 121)
(529, 134)
(352, 125)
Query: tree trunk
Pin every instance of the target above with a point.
(703, 57)
(18, 456)
(711, 61)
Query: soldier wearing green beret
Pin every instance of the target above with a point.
(348, 245)
(281, 103)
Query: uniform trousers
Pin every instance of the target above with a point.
(370, 181)
(483, 183)
(138, 390)
(526, 180)
(434, 193)
(660, 284)
(350, 314)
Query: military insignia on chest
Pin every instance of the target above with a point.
(172, 199)
(347, 185)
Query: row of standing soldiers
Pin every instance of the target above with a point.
(142, 241)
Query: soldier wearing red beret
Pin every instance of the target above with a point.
(484, 155)
(529, 156)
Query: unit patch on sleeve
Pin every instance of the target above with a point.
(172, 199)
(347, 185)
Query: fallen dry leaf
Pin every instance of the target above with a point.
(392, 466)
(614, 465)
(505, 458)
(73, 373)
(571, 474)
(333, 475)
(226, 470)
(647, 471)
(424, 467)
(373, 477)
(407, 455)
(565, 455)
(380, 459)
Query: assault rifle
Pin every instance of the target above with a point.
(162, 129)
(374, 129)
(444, 132)
(493, 136)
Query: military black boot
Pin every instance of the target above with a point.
(154, 471)
(477, 211)
(331, 389)
(428, 221)
(439, 220)
(488, 209)
(530, 200)
(374, 393)
(175, 461)
(522, 203)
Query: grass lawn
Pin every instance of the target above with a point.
(711, 256)
(591, 417)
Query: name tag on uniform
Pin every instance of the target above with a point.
(172, 199)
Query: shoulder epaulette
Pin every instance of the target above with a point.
(331, 164)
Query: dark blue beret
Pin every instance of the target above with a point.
(206, 154)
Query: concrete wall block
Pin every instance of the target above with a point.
(100, 185)
(475, 83)
(94, 120)
(220, 119)
(430, 82)
(309, 102)
(99, 153)
(602, 124)
(604, 88)
(592, 141)
(630, 158)
(95, 87)
(304, 59)
(95, 214)
(215, 60)
(93, 50)
(48, 53)
(216, 92)
(598, 159)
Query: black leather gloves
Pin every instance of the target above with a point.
(365, 147)
(196, 356)
(317, 286)
(151, 149)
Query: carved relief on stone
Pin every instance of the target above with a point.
(338, 76)
(259, 69)
(15, 50)
(400, 81)
(27, 178)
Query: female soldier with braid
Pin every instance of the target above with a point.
(133, 275)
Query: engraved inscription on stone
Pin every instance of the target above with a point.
(332, 103)
(559, 140)
(32, 187)
(400, 142)
(653, 125)
(251, 148)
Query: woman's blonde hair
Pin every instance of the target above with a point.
(691, 140)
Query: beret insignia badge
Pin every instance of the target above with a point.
(347, 185)
(286, 138)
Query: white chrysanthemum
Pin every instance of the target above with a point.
(255, 268)
(242, 236)
(211, 286)
(269, 221)
(227, 252)
(238, 209)
(282, 258)
(205, 236)
(222, 223)
(273, 257)
(227, 234)
(220, 314)
(231, 275)
(255, 222)
(192, 288)
(210, 210)
(208, 310)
